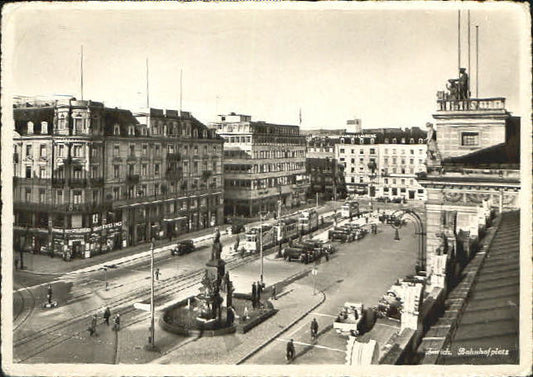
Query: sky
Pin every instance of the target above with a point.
(383, 66)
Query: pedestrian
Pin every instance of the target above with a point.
(92, 327)
(254, 295)
(245, 313)
(314, 328)
(16, 263)
(49, 295)
(107, 315)
(326, 254)
(290, 350)
(116, 325)
(274, 292)
(157, 273)
(258, 294)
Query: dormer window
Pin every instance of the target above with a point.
(116, 130)
(403, 140)
(394, 141)
(361, 140)
(411, 141)
(131, 130)
(386, 140)
(342, 140)
(420, 141)
(195, 133)
(30, 128)
(44, 127)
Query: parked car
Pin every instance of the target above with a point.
(351, 319)
(183, 247)
(290, 253)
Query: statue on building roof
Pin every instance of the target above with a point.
(464, 84)
(433, 154)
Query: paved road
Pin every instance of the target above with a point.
(367, 263)
(361, 271)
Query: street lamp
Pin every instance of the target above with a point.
(151, 340)
(261, 243)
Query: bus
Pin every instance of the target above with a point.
(349, 208)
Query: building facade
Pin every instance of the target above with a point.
(473, 171)
(325, 173)
(89, 179)
(383, 163)
(264, 164)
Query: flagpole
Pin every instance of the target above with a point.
(81, 73)
(458, 40)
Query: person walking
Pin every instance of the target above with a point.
(274, 292)
(254, 295)
(258, 294)
(157, 273)
(92, 327)
(314, 329)
(107, 315)
(49, 295)
(116, 325)
(290, 351)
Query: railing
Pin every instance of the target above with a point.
(174, 157)
(174, 174)
(58, 182)
(131, 158)
(472, 104)
(78, 182)
(97, 182)
(117, 159)
(132, 179)
(31, 181)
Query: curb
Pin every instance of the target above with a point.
(260, 347)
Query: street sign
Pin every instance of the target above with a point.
(144, 307)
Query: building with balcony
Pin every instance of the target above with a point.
(264, 164)
(383, 163)
(89, 179)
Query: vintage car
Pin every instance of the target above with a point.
(183, 247)
(341, 234)
(350, 320)
(390, 305)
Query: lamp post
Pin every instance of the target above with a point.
(151, 341)
(261, 243)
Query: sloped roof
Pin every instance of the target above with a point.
(500, 154)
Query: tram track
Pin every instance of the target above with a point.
(51, 336)
(26, 310)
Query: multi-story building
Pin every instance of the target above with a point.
(383, 163)
(88, 179)
(325, 173)
(263, 163)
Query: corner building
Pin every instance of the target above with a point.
(384, 163)
(263, 163)
(89, 179)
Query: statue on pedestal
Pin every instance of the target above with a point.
(216, 249)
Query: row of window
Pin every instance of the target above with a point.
(78, 197)
(264, 168)
(260, 183)
(386, 181)
(373, 140)
(372, 151)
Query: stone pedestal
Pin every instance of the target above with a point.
(216, 268)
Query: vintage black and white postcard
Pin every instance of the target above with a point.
(278, 188)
